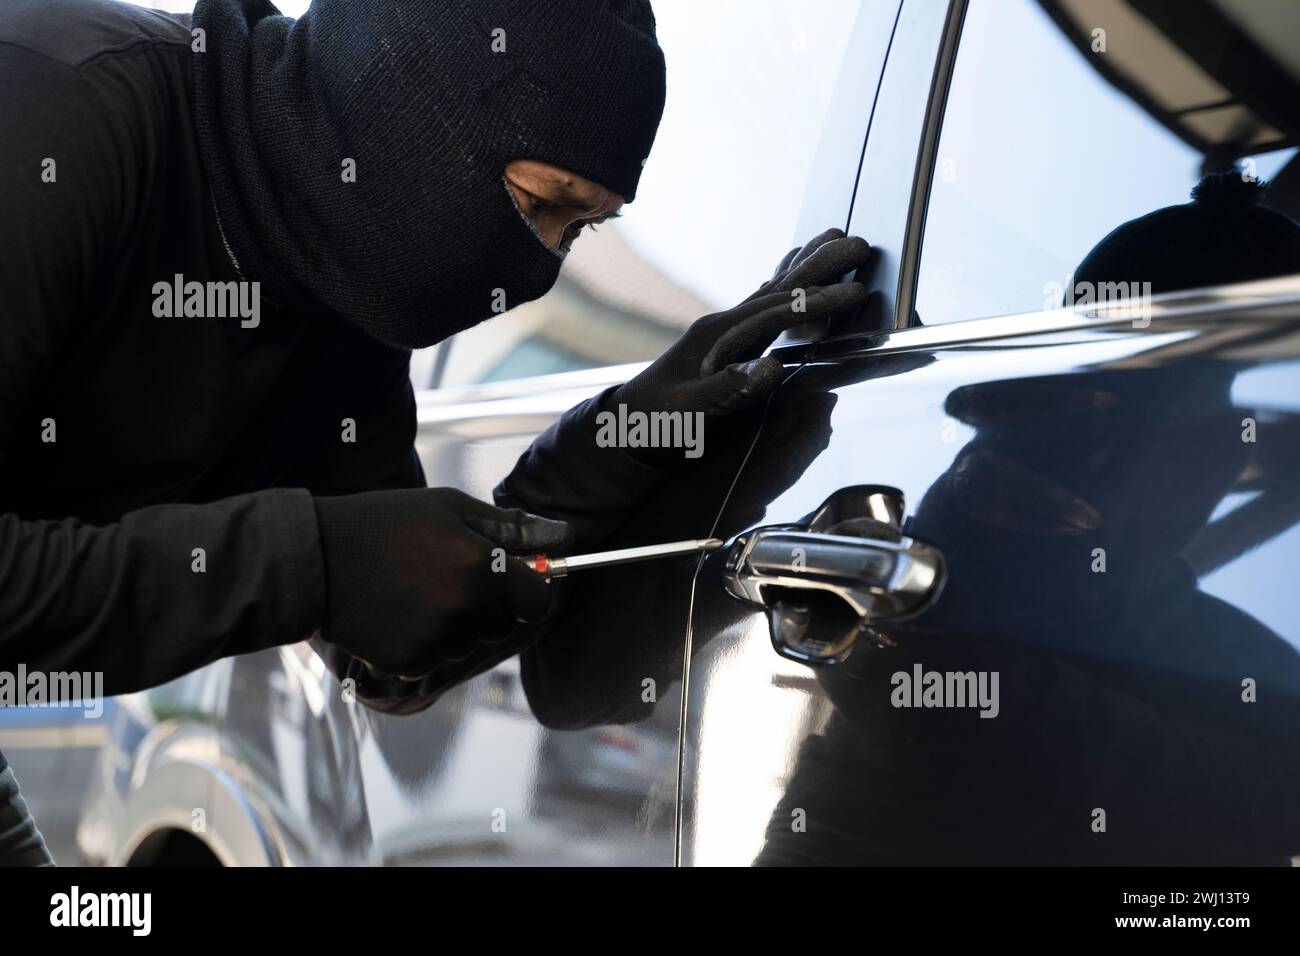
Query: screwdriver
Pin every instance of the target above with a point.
(559, 567)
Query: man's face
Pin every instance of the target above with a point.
(560, 204)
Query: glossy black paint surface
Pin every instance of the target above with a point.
(1025, 461)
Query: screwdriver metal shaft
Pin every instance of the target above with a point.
(559, 567)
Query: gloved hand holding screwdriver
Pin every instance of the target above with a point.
(414, 590)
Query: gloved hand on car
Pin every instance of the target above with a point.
(419, 596)
(716, 368)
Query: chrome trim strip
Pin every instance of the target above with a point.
(70, 736)
(1247, 300)
(1263, 300)
(589, 378)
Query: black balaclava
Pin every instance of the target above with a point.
(1222, 236)
(427, 100)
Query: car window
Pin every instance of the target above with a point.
(750, 84)
(1105, 112)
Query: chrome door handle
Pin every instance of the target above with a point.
(863, 559)
(879, 580)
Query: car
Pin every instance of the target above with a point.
(56, 748)
(1009, 554)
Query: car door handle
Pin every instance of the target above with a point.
(824, 588)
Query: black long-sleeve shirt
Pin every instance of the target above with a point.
(128, 440)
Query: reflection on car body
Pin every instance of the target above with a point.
(1116, 503)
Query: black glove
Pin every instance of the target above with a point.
(412, 580)
(716, 368)
(566, 473)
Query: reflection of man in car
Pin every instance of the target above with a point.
(222, 237)
(1120, 690)
(1226, 234)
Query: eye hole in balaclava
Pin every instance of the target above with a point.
(560, 251)
(425, 102)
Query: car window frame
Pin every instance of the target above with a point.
(926, 159)
(1041, 321)
(892, 191)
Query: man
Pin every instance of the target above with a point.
(193, 466)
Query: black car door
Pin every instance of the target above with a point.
(1011, 560)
